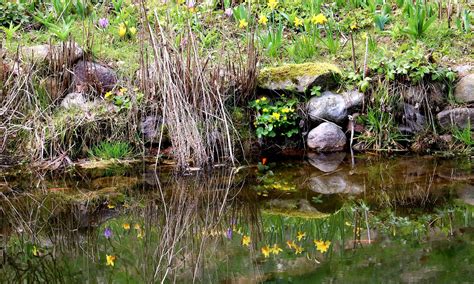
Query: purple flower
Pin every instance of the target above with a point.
(103, 23)
(108, 233)
(191, 4)
(229, 233)
(228, 12)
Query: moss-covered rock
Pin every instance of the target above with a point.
(298, 77)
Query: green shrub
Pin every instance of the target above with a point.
(111, 150)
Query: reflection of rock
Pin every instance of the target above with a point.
(119, 182)
(338, 182)
(466, 194)
(299, 208)
(327, 137)
(326, 162)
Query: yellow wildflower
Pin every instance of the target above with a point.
(243, 24)
(285, 110)
(298, 249)
(133, 30)
(265, 109)
(110, 260)
(298, 22)
(34, 251)
(290, 244)
(246, 241)
(137, 227)
(276, 249)
(322, 246)
(272, 4)
(122, 31)
(257, 101)
(140, 234)
(181, 1)
(266, 251)
(108, 95)
(110, 206)
(319, 19)
(276, 115)
(126, 226)
(353, 26)
(263, 20)
(300, 235)
(263, 99)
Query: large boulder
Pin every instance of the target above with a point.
(464, 92)
(334, 107)
(66, 51)
(327, 137)
(457, 117)
(92, 76)
(298, 77)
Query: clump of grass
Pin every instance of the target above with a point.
(111, 150)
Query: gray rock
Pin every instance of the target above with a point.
(151, 128)
(90, 75)
(457, 117)
(298, 77)
(327, 107)
(413, 121)
(326, 162)
(327, 137)
(75, 100)
(464, 91)
(70, 51)
(463, 70)
(466, 194)
(354, 99)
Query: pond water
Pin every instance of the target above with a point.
(328, 218)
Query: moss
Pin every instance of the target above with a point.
(293, 71)
(295, 213)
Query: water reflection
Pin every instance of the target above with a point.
(248, 225)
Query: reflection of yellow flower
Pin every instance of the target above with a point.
(298, 22)
(272, 4)
(122, 31)
(276, 115)
(126, 226)
(319, 19)
(263, 20)
(276, 249)
(266, 251)
(300, 235)
(246, 241)
(110, 260)
(322, 246)
(243, 24)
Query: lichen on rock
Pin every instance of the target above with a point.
(298, 77)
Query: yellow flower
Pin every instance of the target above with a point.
(122, 31)
(126, 226)
(137, 227)
(34, 251)
(265, 109)
(266, 251)
(285, 110)
(110, 260)
(108, 95)
(298, 22)
(140, 234)
(322, 246)
(364, 36)
(353, 26)
(243, 24)
(319, 19)
(133, 30)
(263, 20)
(276, 115)
(181, 1)
(276, 249)
(298, 249)
(290, 244)
(110, 206)
(257, 101)
(263, 99)
(300, 235)
(272, 4)
(246, 241)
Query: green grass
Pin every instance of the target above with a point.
(111, 150)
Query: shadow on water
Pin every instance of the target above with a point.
(326, 219)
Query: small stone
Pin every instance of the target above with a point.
(327, 107)
(464, 91)
(463, 70)
(75, 100)
(327, 137)
(91, 75)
